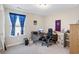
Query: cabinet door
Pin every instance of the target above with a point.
(74, 38)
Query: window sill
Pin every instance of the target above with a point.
(16, 36)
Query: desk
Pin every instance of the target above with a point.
(36, 35)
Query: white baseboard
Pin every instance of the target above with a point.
(10, 45)
(15, 44)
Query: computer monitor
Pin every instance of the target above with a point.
(41, 30)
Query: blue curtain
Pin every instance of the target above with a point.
(13, 21)
(22, 20)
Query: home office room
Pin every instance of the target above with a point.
(39, 28)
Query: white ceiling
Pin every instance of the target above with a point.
(34, 8)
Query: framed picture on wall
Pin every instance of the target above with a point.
(35, 22)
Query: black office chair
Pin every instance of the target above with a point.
(49, 38)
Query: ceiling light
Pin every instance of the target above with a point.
(42, 6)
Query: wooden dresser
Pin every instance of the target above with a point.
(74, 38)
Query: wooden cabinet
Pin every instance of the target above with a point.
(74, 38)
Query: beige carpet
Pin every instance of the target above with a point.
(37, 49)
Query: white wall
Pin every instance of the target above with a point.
(39, 20)
(2, 27)
(67, 17)
(28, 26)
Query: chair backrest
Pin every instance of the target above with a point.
(50, 32)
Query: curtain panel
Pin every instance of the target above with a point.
(13, 18)
(22, 20)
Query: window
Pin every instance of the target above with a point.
(17, 27)
(17, 24)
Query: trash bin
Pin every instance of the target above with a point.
(26, 41)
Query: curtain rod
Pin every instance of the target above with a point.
(15, 9)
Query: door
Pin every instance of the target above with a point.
(58, 25)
